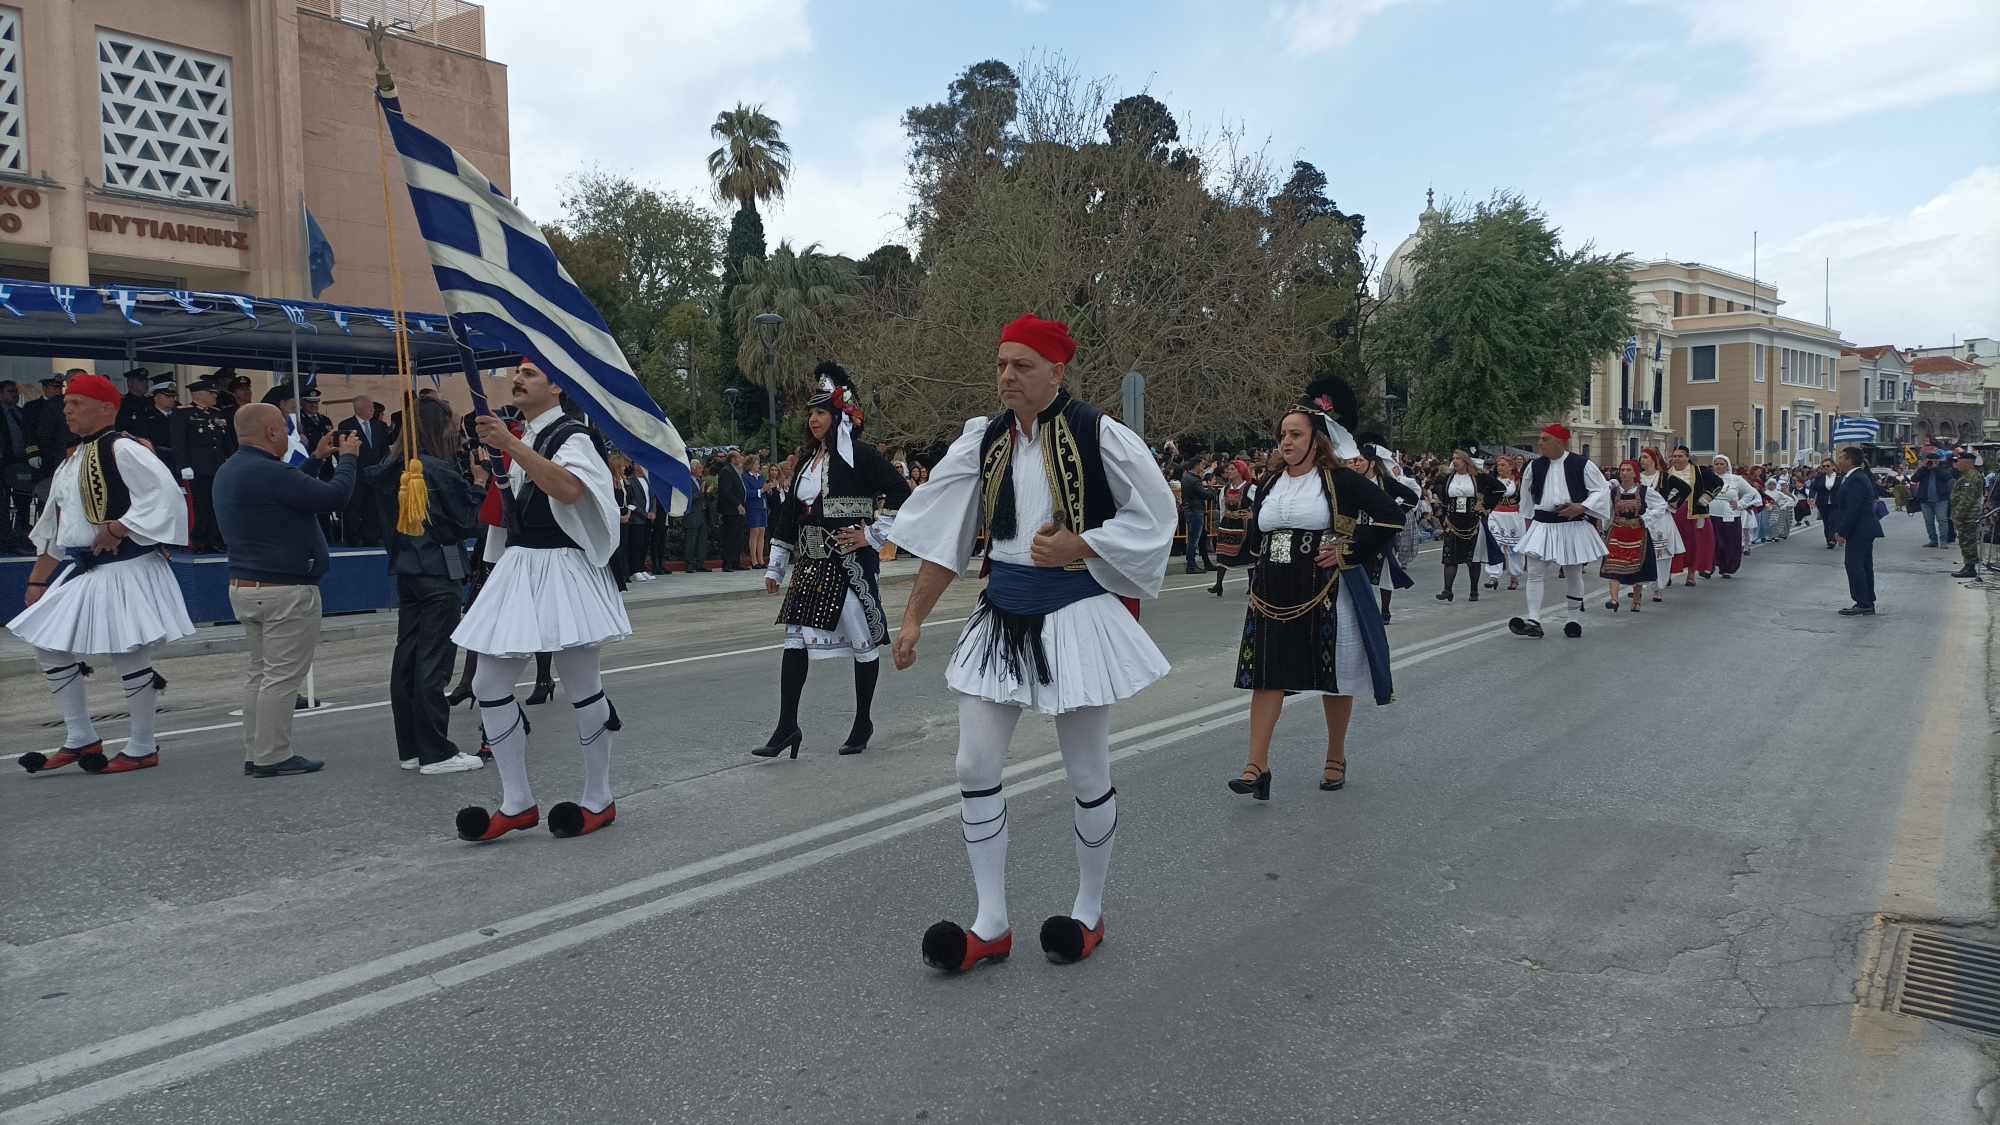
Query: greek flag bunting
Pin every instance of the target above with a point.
(1856, 429)
(499, 277)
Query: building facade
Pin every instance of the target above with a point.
(1983, 353)
(1875, 382)
(179, 143)
(1951, 397)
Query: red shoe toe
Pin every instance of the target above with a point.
(478, 826)
(121, 764)
(36, 762)
(571, 819)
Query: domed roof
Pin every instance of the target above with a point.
(1399, 272)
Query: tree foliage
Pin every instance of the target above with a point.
(753, 164)
(745, 246)
(813, 291)
(1157, 250)
(1500, 328)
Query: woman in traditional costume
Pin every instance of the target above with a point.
(1239, 486)
(1729, 509)
(1629, 554)
(1660, 522)
(1689, 488)
(1504, 524)
(827, 533)
(1312, 625)
(1388, 571)
(1462, 494)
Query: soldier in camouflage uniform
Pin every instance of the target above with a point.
(1967, 499)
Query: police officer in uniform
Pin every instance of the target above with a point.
(313, 425)
(137, 401)
(156, 422)
(202, 439)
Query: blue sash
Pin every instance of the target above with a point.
(1038, 590)
(81, 559)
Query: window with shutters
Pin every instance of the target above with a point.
(166, 114)
(13, 123)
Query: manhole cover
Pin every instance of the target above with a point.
(1950, 980)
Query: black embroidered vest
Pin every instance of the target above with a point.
(1538, 475)
(531, 522)
(1072, 458)
(105, 494)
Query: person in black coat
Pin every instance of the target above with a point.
(1857, 527)
(732, 508)
(1820, 489)
(203, 440)
(361, 523)
(156, 422)
(430, 572)
(138, 400)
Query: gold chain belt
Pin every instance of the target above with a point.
(1284, 613)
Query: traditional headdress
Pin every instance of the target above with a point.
(1049, 338)
(1557, 431)
(95, 387)
(836, 396)
(1332, 401)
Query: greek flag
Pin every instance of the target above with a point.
(1631, 349)
(295, 450)
(1856, 429)
(499, 276)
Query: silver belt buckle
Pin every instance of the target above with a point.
(813, 541)
(1281, 546)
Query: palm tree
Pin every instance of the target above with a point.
(754, 161)
(811, 290)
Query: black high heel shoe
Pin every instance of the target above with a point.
(458, 696)
(857, 739)
(1253, 782)
(545, 690)
(780, 742)
(1444, 595)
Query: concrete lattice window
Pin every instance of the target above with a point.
(13, 123)
(166, 114)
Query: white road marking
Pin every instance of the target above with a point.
(1172, 729)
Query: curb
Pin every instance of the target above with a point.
(351, 626)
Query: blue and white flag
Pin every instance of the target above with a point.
(1631, 349)
(499, 277)
(1856, 429)
(295, 450)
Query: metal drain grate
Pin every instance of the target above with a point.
(1950, 980)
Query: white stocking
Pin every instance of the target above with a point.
(1085, 737)
(63, 672)
(1533, 580)
(142, 698)
(505, 726)
(596, 722)
(1573, 587)
(984, 731)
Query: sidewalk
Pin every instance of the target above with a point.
(17, 658)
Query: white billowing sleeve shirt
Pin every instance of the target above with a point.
(940, 521)
(593, 520)
(158, 515)
(1555, 491)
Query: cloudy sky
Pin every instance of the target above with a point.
(1859, 131)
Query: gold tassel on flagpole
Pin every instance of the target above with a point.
(413, 507)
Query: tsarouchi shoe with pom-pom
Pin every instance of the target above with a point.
(478, 826)
(34, 761)
(571, 819)
(125, 763)
(951, 949)
(1066, 941)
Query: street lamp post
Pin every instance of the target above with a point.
(767, 329)
(1389, 402)
(1738, 427)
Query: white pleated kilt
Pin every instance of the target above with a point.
(543, 600)
(1098, 655)
(111, 608)
(1564, 544)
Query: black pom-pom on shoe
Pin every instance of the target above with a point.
(33, 760)
(92, 762)
(566, 819)
(1572, 630)
(473, 822)
(944, 947)
(1062, 939)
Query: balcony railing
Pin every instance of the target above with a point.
(1635, 416)
(455, 24)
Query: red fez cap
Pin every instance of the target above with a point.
(1557, 431)
(94, 386)
(1049, 338)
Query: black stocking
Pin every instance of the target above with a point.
(866, 672)
(1450, 576)
(544, 663)
(791, 685)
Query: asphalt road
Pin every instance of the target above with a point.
(1637, 877)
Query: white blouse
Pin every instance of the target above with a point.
(1461, 485)
(158, 514)
(1295, 502)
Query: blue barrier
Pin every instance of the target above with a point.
(357, 581)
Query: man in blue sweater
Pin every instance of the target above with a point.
(269, 515)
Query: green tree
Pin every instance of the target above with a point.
(752, 165)
(813, 291)
(953, 140)
(635, 252)
(1500, 327)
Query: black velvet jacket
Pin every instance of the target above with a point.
(847, 500)
(1361, 511)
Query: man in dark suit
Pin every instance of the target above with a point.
(17, 483)
(138, 400)
(1857, 528)
(361, 522)
(731, 510)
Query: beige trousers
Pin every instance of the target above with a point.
(281, 624)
